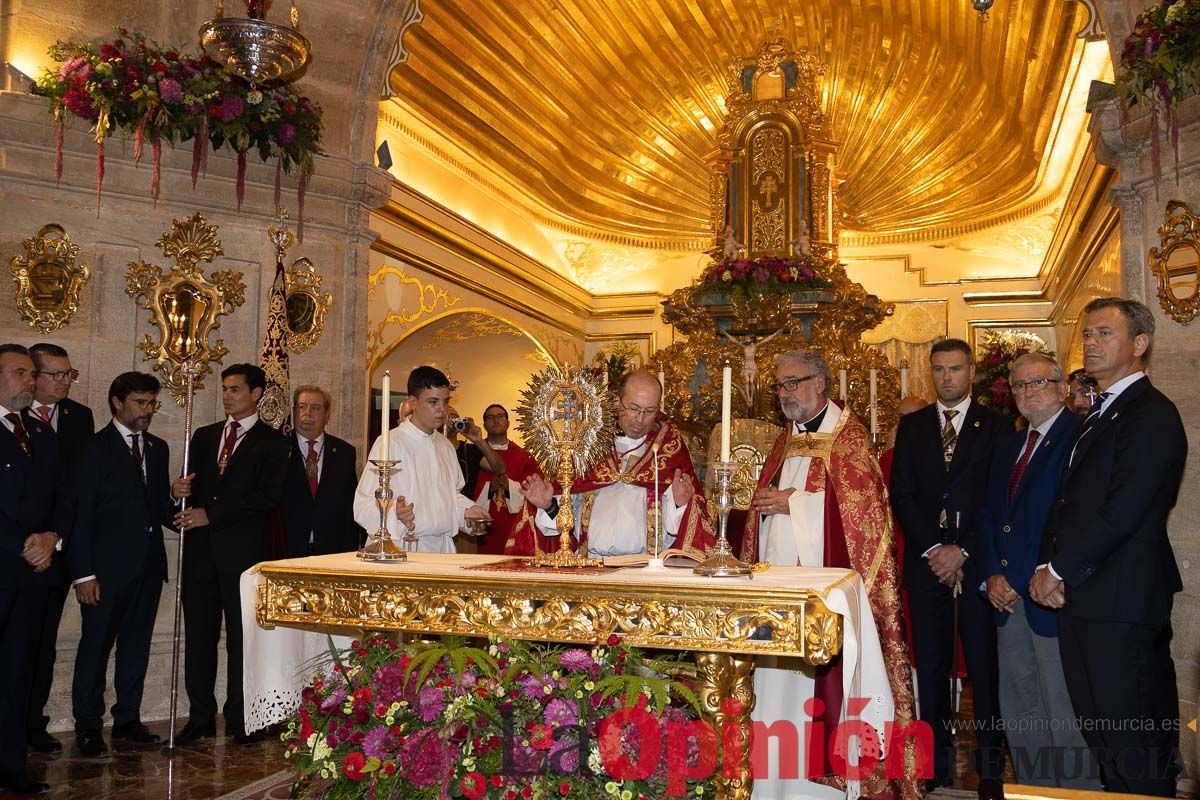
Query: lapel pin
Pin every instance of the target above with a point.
(1114, 416)
(976, 423)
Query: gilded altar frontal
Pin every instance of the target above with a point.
(770, 347)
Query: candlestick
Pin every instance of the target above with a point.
(726, 377)
(656, 561)
(662, 381)
(385, 450)
(903, 382)
(842, 383)
(721, 561)
(379, 546)
(874, 414)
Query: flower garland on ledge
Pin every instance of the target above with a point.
(752, 277)
(152, 93)
(447, 720)
(993, 363)
(1160, 65)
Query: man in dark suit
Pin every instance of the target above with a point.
(238, 469)
(117, 561)
(30, 559)
(318, 497)
(1109, 564)
(1046, 745)
(73, 427)
(939, 481)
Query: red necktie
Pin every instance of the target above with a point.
(1022, 462)
(231, 437)
(19, 431)
(310, 466)
(45, 412)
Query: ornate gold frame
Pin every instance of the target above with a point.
(48, 279)
(185, 306)
(1180, 230)
(303, 282)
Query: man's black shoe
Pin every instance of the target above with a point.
(238, 732)
(42, 742)
(90, 744)
(134, 733)
(990, 789)
(190, 734)
(22, 786)
(933, 784)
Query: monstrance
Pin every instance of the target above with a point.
(566, 420)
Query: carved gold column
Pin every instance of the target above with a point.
(722, 678)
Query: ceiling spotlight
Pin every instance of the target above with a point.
(982, 7)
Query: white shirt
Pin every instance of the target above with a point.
(4, 412)
(244, 425)
(427, 476)
(319, 443)
(959, 418)
(618, 522)
(53, 423)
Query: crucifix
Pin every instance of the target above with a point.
(745, 338)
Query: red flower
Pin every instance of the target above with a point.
(540, 736)
(496, 781)
(564, 788)
(613, 640)
(353, 765)
(473, 785)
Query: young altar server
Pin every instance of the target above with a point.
(427, 479)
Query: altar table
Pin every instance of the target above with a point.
(785, 611)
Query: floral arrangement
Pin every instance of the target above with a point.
(1160, 65)
(993, 363)
(153, 93)
(517, 720)
(748, 277)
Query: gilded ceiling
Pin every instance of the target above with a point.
(596, 115)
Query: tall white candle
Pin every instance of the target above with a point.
(662, 381)
(842, 383)
(726, 381)
(874, 416)
(385, 450)
(903, 382)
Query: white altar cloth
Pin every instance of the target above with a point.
(278, 663)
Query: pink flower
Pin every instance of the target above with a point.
(286, 133)
(170, 91)
(231, 107)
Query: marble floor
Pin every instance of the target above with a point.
(204, 771)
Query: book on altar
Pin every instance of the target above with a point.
(671, 557)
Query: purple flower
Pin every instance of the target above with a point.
(286, 133)
(426, 760)
(378, 742)
(335, 700)
(564, 755)
(389, 683)
(231, 107)
(170, 91)
(576, 659)
(531, 687)
(761, 274)
(561, 712)
(70, 65)
(429, 703)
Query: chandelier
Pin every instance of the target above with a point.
(253, 48)
(982, 7)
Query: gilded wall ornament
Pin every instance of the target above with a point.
(184, 305)
(48, 279)
(1176, 262)
(305, 306)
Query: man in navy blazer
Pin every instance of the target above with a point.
(1108, 563)
(31, 520)
(1046, 745)
(318, 497)
(118, 562)
(939, 478)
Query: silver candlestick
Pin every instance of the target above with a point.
(380, 546)
(721, 562)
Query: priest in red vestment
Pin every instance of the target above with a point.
(614, 502)
(501, 494)
(821, 502)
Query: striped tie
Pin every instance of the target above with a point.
(949, 436)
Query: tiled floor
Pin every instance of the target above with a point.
(203, 771)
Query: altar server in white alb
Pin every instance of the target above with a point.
(427, 481)
(820, 503)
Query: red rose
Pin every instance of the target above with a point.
(613, 640)
(496, 781)
(564, 788)
(353, 765)
(540, 737)
(473, 785)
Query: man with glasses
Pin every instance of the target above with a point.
(30, 562)
(118, 562)
(821, 502)
(501, 493)
(939, 482)
(1047, 748)
(73, 426)
(614, 501)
